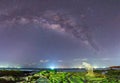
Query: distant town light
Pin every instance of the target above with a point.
(80, 67)
(52, 67)
(95, 67)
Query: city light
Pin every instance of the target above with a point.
(52, 67)
(95, 67)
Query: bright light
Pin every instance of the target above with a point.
(4, 66)
(52, 67)
(103, 67)
(80, 67)
(95, 67)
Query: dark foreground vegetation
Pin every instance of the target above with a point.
(51, 76)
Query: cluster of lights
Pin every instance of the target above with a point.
(9, 66)
(4, 66)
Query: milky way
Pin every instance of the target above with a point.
(45, 32)
(55, 20)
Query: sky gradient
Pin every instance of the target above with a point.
(60, 33)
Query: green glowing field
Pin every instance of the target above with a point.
(112, 76)
(51, 76)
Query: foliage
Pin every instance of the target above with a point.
(51, 76)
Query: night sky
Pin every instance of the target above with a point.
(59, 33)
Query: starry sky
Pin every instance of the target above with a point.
(59, 33)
